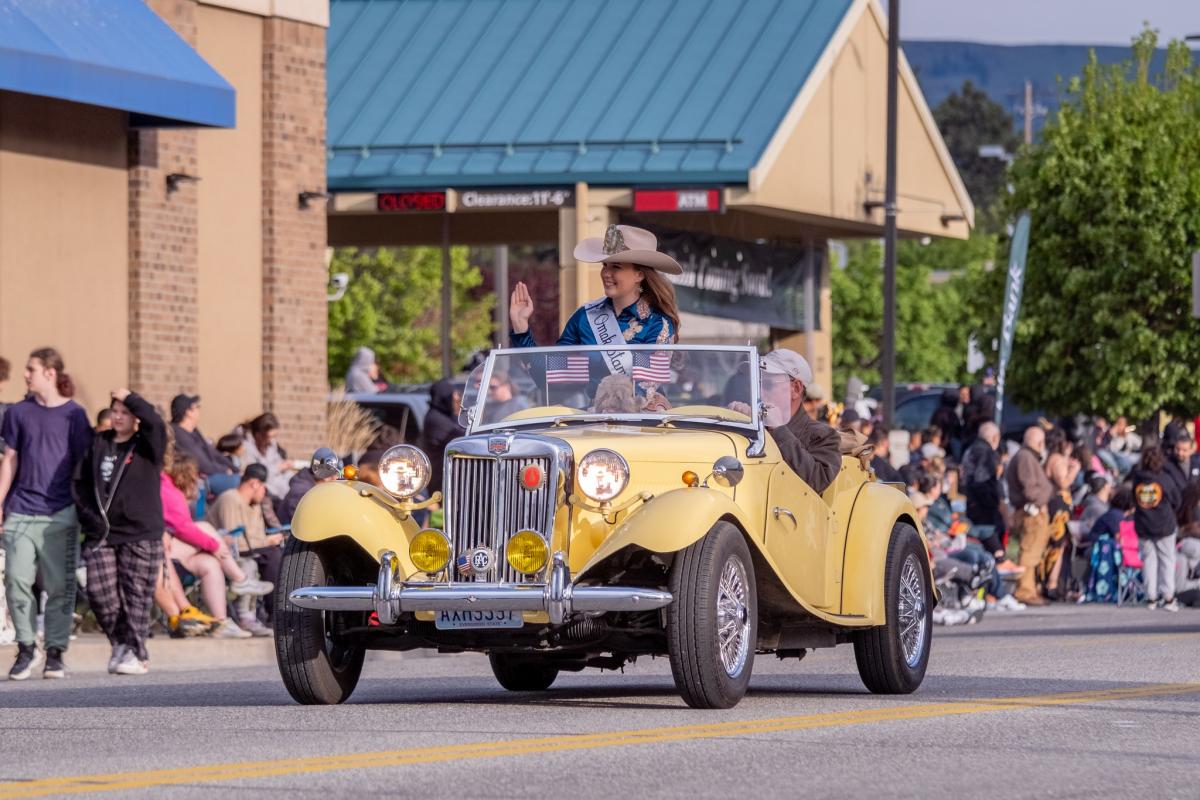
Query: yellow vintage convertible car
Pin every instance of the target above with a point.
(605, 505)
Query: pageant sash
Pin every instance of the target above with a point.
(607, 331)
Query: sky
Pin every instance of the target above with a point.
(1046, 21)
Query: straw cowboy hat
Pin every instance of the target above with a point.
(626, 244)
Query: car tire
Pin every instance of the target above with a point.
(519, 674)
(713, 585)
(892, 658)
(316, 670)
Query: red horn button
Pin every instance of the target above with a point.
(532, 477)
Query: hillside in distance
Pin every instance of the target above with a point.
(1001, 70)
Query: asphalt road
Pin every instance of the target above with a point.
(1063, 702)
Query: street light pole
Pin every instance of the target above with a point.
(889, 220)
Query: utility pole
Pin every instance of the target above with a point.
(1028, 112)
(447, 278)
(500, 279)
(889, 220)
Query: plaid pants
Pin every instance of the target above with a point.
(120, 589)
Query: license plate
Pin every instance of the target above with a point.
(462, 620)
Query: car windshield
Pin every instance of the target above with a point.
(657, 383)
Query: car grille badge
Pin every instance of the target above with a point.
(477, 561)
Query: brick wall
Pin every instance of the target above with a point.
(163, 339)
(295, 385)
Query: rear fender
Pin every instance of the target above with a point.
(877, 508)
(359, 511)
(669, 522)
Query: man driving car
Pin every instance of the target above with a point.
(812, 449)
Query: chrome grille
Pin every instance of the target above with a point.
(486, 503)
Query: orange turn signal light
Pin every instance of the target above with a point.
(691, 479)
(349, 472)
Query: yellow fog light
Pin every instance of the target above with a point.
(429, 551)
(527, 552)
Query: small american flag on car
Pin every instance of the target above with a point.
(567, 369)
(654, 367)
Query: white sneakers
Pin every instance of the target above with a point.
(130, 664)
(252, 586)
(228, 629)
(255, 627)
(118, 654)
(1009, 603)
(952, 616)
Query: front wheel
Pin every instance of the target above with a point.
(316, 667)
(892, 658)
(712, 624)
(522, 674)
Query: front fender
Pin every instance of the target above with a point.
(877, 508)
(360, 511)
(669, 522)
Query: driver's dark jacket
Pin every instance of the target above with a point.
(813, 449)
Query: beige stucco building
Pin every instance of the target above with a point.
(172, 254)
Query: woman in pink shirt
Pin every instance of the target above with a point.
(199, 548)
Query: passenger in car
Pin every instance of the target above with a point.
(811, 448)
(638, 306)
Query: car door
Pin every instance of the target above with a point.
(798, 525)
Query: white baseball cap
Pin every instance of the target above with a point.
(931, 451)
(787, 362)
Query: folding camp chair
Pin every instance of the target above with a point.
(1131, 587)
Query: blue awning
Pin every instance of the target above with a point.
(111, 53)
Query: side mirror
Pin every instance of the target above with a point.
(325, 464)
(728, 471)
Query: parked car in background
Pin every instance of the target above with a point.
(405, 411)
(915, 410)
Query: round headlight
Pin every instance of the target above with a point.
(404, 470)
(429, 550)
(527, 552)
(602, 475)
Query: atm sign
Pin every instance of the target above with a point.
(677, 200)
(410, 201)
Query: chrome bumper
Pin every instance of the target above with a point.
(559, 597)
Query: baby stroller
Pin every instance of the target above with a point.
(959, 583)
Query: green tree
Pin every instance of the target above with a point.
(1114, 193)
(967, 120)
(931, 337)
(393, 306)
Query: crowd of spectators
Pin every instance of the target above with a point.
(133, 514)
(1091, 514)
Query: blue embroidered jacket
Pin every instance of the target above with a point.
(648, 326)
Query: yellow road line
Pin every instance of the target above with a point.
(79, 784)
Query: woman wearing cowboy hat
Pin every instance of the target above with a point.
(638, 306)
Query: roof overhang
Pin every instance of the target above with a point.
(823, 162)
(110, 53)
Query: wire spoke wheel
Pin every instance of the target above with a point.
(911, 611)
(733, 617)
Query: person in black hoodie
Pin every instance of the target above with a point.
(946, 418)
(120, 509)
(441, 426)
(981, 409)
(1158, 500)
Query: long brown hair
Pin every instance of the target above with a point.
(185, 474)
(50, 359)
(660, 294)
